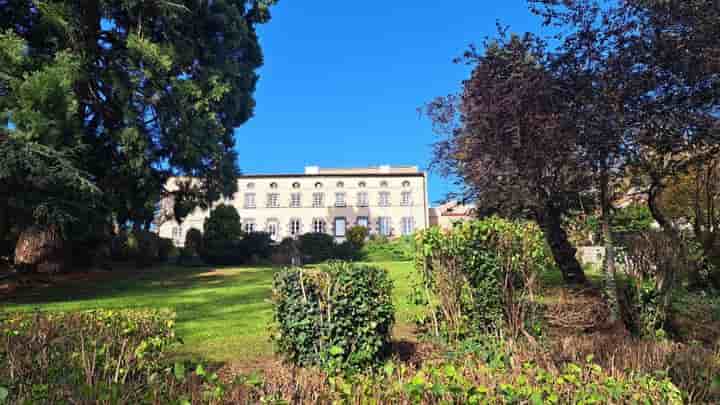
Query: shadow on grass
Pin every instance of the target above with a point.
(126, 284)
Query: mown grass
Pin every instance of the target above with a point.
(223, 314)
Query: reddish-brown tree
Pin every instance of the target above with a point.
(507, 142)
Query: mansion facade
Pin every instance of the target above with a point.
(388, 200)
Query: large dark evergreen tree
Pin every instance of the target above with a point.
(132, 92)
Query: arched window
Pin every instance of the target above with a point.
(362, 184)
(250, 185)
(406, 184)
(273, 185)
(294, 226)
(319, 225)
(296, 185)
(383, 183)
(340, 184)
(318, 185)
(273, 228)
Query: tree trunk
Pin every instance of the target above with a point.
(4, 220)
(563, 252)
(608, 267)
(667, 277)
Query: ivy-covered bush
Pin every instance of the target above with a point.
(316, 247)
(479, 275)
(87, 357)
(339, 315)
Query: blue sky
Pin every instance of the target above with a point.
(342, 81)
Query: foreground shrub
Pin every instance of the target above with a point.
(470, 380)
(339, 315)
(480, 275)
(652, 266)
(86, 356)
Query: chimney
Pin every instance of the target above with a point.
(312, 169)
(384, 169)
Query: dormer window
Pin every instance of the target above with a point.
(318, 185)
(250, 186)
(296, 185)
(406, 184)
(273, 185)
(383, 183)
(340, 184)
(362, 184)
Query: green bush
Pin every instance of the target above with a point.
(143, 248)
(316, 247)
(96, 356)
(119, 250)
(357, 235)
(481, 274)
(285, 251)
(223, 224)
(347, 251)
(223, 252)
(632, 219)
(193, 240)
(166, 249)
(339, 315)
(256, 246)
(221, 242)
(382, 249)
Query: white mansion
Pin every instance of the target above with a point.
(388, 200)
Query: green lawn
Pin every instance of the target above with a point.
(222, 314)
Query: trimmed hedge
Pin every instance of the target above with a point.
(339, 315)
(316, 247)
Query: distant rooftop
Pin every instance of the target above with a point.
(382, 169)
(371, 171)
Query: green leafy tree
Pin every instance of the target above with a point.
(143, 90)
(644, 76)
(223, 224)
(357, 235)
